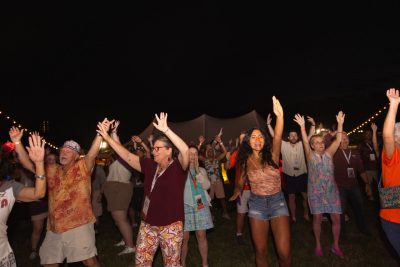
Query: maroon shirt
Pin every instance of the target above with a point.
(166, 199)
(366, 150)
(341, 165)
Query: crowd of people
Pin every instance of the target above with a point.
(166, 188)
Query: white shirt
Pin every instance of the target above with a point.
(293, 160)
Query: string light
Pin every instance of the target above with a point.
(16, 124)
(373, 117)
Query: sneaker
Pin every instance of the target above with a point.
(226, 216)
(338, 252)
(346, 218)
(120, 244)
(318, 252)
(134, 225)
(127, 250)
(33, 255)
(240, 240)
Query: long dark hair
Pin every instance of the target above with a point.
(245, 150)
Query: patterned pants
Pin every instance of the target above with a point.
(170, 239)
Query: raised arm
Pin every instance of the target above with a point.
(222, 155)
(36, 155)
(90, 157)
(16, 136)
(162, 126)
(114, 131)
(140, 142)
(299, 119)
(278, 131)
(375, 138)
(270, 129)
(331, 150)
(311, 132)
(130, 158)
(390, 120)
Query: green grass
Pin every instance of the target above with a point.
(223, 251)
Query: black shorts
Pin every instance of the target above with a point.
(295, 184)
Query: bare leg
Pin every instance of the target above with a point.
(281, 231)
(186, 237)
(37, 226)
(335, 229)
(306, 213)
(224, 207)
(317, 219)
(292, 206)
(121, 220)
(259, 232)
(92, 262)
(240, 222)
(203, 246)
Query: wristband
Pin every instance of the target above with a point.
(40, 177)
(166, 131)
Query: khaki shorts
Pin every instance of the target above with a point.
(217, 189)
(242, 206)
(77, 244)
(118, 195)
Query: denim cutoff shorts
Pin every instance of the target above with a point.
(267, 207)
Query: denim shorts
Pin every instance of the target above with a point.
(267, 207)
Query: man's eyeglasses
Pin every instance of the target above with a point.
(156, 148)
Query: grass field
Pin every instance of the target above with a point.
(223, 251)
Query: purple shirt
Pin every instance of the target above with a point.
(166, 199)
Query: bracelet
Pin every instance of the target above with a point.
(166, 131)
(40, 177)
(17, 143)
(221, 143)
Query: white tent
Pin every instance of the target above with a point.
(209, 127)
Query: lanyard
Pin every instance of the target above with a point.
(193, 179)
(347, 158)
(370, 148)
(157, 175)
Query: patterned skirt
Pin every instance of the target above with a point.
(197, 219)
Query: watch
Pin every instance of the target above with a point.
(40, 177)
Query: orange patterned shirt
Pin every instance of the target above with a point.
(69, 197)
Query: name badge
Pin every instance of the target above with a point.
(199, 202)
(146, 205)
(372, 157)
(351, 173)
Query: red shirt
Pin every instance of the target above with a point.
(166, 199)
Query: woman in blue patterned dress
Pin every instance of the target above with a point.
(323, 193)
(197, 207)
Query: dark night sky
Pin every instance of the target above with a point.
(54, 65)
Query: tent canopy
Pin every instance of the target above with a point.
(209, 127)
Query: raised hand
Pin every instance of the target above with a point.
(277, 107)
(161, 123)
(374, 127)
(202, 139)
(311, 120)
(136, 139)
(299, 119)
(393, 95)
(269, 119)
(36, 148)
(340, 117)
(103, 128)
(15, 134)
(114, 126)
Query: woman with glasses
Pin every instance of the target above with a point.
(164, 181)
(322, 191)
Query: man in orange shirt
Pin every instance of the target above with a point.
(390, 218)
